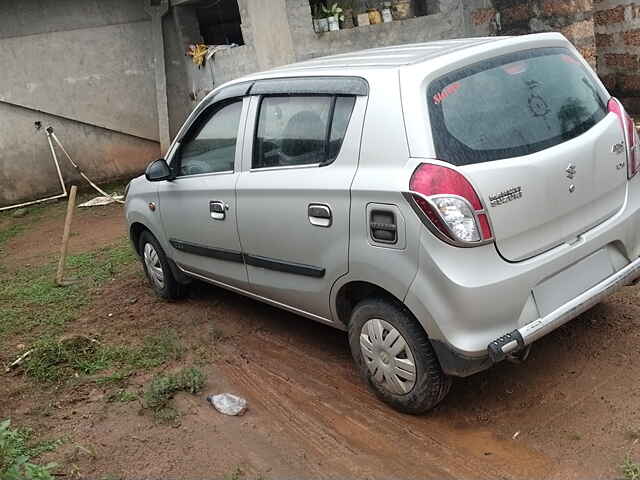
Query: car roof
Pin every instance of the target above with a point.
(365, 62)
(393, 56)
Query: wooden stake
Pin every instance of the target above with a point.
(71, 206)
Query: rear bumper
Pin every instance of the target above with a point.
(517, 339)
(478, 308)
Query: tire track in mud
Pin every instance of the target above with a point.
(314, 400)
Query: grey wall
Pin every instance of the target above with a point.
(449, 23)
(26, 164)
(268, 22)
(85, 66)
(277, 32)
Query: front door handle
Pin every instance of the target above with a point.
(218, 210)
(320, 215)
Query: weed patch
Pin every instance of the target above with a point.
(630, 469)
(30, 298)
(54, 361)
(122, 396)
(155, 351)
(162, 388)
(17, 449)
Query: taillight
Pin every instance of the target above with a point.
(451, 207)
(631, 139)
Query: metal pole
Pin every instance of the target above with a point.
(65, 236)
(55, 160)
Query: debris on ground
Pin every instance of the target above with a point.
(100, 201)
(228, 403)
(18, 361)
(20, 213)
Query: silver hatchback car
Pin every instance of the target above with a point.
(446, 203)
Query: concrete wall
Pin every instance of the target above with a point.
(448, 23)
(617, 27)
(27, 170)
(277, 32)
(267, 25)
(83, 65)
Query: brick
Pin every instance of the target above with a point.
(516, 13)
(482, 16)
(578, 30)
(604, 40)
(589, 54)
(632, 105)
(634, 11)
(630, 83)
(607, 17)
(625, 61)
(566, 7)
(610, 81)
(632, 37)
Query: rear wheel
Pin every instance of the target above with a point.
(157, 269)
(395, 357)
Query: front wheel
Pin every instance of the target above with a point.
(157, 269)
(395, 357)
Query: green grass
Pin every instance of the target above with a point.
(155, 351)
(17, 449)
(122, 396)
(59, 360)
(630, 469)
(159, 393)
(29, 298)
(236, 474)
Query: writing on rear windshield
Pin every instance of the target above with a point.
(446, 91)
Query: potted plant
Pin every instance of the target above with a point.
(316, 14)
(360, 12)
(374, 16)
(334, 16)
(402, 9)
(322, 21)
(347, 7)
(386, 12)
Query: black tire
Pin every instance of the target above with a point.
(431, 383)
(171, 288)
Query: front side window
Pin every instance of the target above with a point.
(513, 105)
(300, 130)
(211, 146)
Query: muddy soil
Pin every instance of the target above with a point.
(571, 411)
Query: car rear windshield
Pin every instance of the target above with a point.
(513, 105)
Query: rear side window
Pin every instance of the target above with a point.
(513, 105)
(300, 130)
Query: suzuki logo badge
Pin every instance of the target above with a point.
(571, 171)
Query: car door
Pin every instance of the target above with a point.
(198, 207)
(294, 194)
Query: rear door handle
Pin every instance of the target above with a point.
(320, 215)
(218, 209)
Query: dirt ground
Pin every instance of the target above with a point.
(571, 411)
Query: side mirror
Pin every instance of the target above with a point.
(158, 170)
